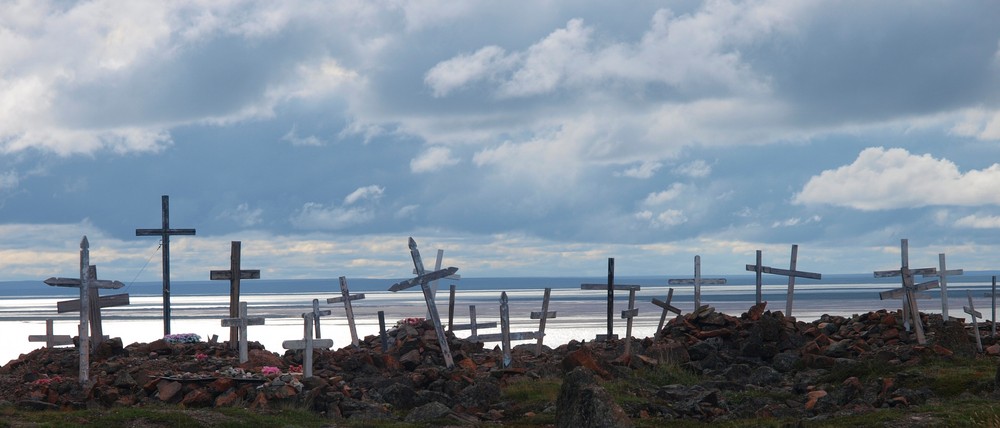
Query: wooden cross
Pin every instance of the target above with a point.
(240, 323)
(758, 269)
(909, 290)
(97, 302)
(422, 279)
(234, 275)
(993, 299)
(611, 287)
(698, 281)
(381, 331)
(51, 340)
(971, 310)
(451, 306)
(308, 344)
(474, 325)
(542, 316)
(346, 297)
(505, 336)
(316, 313)
(667, 307)
(437, 267)
(943, 273)
(85, 283)
(791, 273)
(630, 315)
(164, 233)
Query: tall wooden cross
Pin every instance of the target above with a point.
(630, 315)
(307, 344)
(84, 283)
(422, 279)
(667, 307)
(993, 303)
(611, 287)
(971, 310)
(697, 281)
(505, 336)
(943, 273)
(758, 270)
(474, 325)
(791, 273)
(51, 340)
(164, 232)
(316, 313)
(240, 323)
(909, 290)
(451, 306)
(542, 316)
(234, 275)
(346, 297)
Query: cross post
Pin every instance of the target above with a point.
(971, 310)
(909, 290)
(697, 281)
(97, 302)
(611, 287)
(381, 331)
(51, 340)
(758, 269)
(240, 323)
(667, 307)
(316, 312)
(542, 316)
(234, 275)
(346, 297)
(437, 267)
(164, 233)
(629, 314)
(943, 273)
(307, 344)
(505, 335)
(451, 306)
(993, 300)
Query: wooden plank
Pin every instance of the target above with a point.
(240, 322)
(618, 287)
(226, 275)
(359, 296)
(426, 277)
(300, 344)
(161, 232)
(104, 302)
(971, 310)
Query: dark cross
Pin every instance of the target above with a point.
(346, 297)
(474, 325)
(611, 287)
(164, 233)
(97, 302)
(234, 286)
(505, 336)
(50, 339)
(698, 281)
(993, 299)
(943, 273)
(629, 314)
(381, 331)
(307, 344)
(909, 290)
(667, 307)
(758, 269)
(971, 310)
(240, 323)
(451, 306)
(85, 283)
(422, 279)
(542, 317)
(791, 273)
(316, 312)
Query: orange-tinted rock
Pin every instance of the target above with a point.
(942, 351)
(812, 397)
(221, 384)
(198, 398)
(582, 358)
(227, 399)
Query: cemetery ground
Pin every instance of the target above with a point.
(756, 369)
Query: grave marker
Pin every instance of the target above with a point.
(971, 310)
(307, 344)
(943, 273)
(791, 273)
(667, 307)
(629, 314)
(437, 267)
(474, 325)
(234, 275)
(422, 279)
(97, 302)
(993, 304)
(505, 336)
(346, 297)
(316, 313)
(697, 281)
(240, 323)
(451, 306)
(758, 270)
(542, 316)
(381, 331)
(611, 287)
(909, 290)
(164, 233)
(51, 340)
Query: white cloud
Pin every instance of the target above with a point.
(432, 159)
(665, 196)
(664, 219)
(694, 169)
(978, 123)
(979, 222)
(293, 138)
(461, 70)
(364, 193)
(243, 215)
(320, 217)
(796, 221)
(642, 171)
(881, 179)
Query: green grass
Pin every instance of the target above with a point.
(159, 416)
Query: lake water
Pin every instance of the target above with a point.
(198, 306)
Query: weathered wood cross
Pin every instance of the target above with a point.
(611, 287)
(943, 273)
(993, 303)
(307, 344)
(346, 297)
(96, 303)
(317, 313)
(971, 310)
(240, 323)
(791, 273)
(542, 316)
(422, 279)
(434, 283)
(697, 281)
(909, 290)
(630, 315)
(667, 307)
(51, 340)
(234, 275)
(164, 233)
(84, 283)
(473, 325)
(506, 336)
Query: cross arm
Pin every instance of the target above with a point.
(666, 306)
(239, 322)
(949, 272)
(228, 274)
(427, 277)
(605, 287)
(786, 272)
(359, 296)
(703, 281)
(891, 273)
(161, 232)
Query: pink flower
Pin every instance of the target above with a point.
(200, 356)
(295, 368)
(270, 371)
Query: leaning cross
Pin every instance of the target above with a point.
(698, 281)
(473, 325)
(85, 282)
(542, 316)
(971, 310)
(234, 275)
(909, 290)
(791, 273)
(667, 307)
(307, 344)
(505, 335)
(96, 303)
(240, 323)
(164, 233)
(630, 315)
(611, 287)
(347, 297)
(993, 300)
(316, 313)
(943, 273)
(422, 279)
(51, 339)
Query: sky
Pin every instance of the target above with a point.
(524, 138)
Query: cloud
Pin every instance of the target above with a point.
(642, 171)
(461, 70)
(663, 219)
(881, 179)
(979, 222)
(320, 217)
(364, 193)
(243, 215)
(796, 221)
(694, 169)
(293, 138)
(432, 159)
(981, 124)
(665, 196)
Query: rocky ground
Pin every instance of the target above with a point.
(760, 364)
